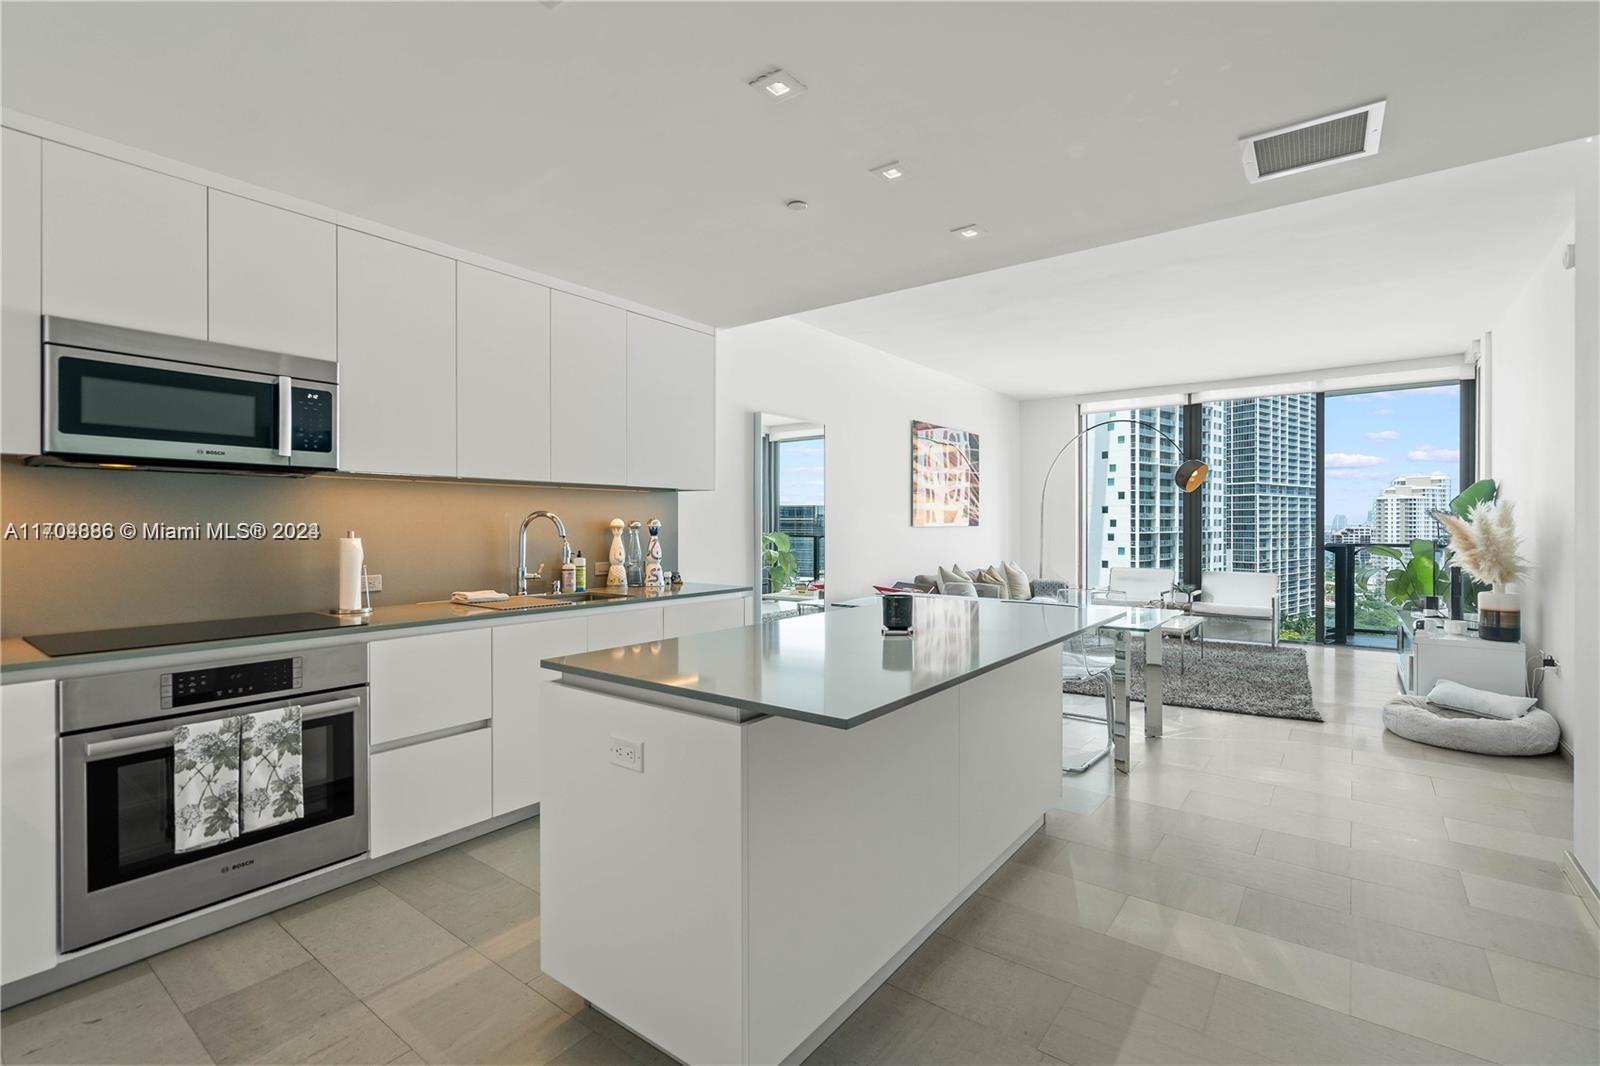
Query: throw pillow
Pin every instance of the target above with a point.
(960, 588)
(1017, 582)
(1458, 697)
(992, 575)
(946, 575)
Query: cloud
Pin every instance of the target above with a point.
(1341, 459)
(1361, 398)
(1384, 434)
(1384, 411)
(1429, 454)
(1358, 475)
(1436, 390)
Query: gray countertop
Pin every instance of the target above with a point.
(837, 667)
(20, 660)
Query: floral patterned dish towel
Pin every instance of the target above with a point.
(273, 791)
(205, 793)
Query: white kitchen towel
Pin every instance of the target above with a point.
(205, 784)
(273, 791)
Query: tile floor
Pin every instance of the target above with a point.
(1258, 890)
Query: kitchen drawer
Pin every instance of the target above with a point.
(614, 627)
(519, 682)
(427, 683)
(427, 790)
(702, 616)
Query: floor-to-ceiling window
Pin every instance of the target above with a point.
(1133, 516)
(1276, 504)
(1259, 506)
(796, 504)
(1391, 458)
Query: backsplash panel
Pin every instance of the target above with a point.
(427, 539)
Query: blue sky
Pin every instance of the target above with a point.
(800, 471)
(1374, 437)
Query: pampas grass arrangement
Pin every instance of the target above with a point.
(1484, 543)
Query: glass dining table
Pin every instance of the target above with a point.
(1134, 624)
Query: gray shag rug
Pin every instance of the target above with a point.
(1237, 678)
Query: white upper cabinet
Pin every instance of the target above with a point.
(272, 277)
(671, 405)
(588, 391)
(20, 357)
(397, 358)
(123, 245)
(502, 376)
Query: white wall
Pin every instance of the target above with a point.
(1544, 389)
(1585, 666)
(867, 401)
(1046, 426)
(1532, 360)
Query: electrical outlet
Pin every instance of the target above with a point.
(628, 754)
(374, 582)
(1548, 661)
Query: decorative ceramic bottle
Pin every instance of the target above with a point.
(617, 572)
(633, 549)
(654, 577)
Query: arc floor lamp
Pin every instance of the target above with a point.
(1189, 476)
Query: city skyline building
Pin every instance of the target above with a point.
(1403, 511)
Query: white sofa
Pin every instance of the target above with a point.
(1230, 594)
(1128, 586)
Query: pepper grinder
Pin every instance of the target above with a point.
(617, 572)
(654, 578)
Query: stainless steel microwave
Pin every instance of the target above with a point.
(115, 395)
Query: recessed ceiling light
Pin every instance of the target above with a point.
(967, 233)
(891, 172)
(779, 85)
(797, 205)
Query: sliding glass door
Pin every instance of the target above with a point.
(1392, 457)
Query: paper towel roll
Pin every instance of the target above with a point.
(350, 559)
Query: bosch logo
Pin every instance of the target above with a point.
(238, 866)
(210, 451)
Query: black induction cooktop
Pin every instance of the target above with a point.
(103, 640)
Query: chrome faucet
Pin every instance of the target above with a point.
(522, 548)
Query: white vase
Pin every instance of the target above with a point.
(1500, 616)
(617, 572)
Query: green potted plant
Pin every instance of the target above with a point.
(778, 560)
(1419, 579)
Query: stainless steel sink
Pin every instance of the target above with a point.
(525, 603)
(589, 596)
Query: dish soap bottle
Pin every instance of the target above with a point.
(580, 574)
(617, 572)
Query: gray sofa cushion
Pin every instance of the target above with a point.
(1412, 717)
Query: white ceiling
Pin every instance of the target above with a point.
(1410, 269)
(617, 146)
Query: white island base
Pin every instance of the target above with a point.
(737, 899)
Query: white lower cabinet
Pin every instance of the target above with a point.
(429, 789)
(27, 828)
(614, 627)
(426, 683)
(519, 683)
(703, 616)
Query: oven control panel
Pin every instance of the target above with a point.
(234, 681)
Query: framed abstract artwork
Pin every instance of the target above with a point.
(944, 476)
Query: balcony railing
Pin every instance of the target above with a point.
(1354, 607)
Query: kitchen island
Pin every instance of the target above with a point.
(745, 831)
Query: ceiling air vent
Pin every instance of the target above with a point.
(1306, 145)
